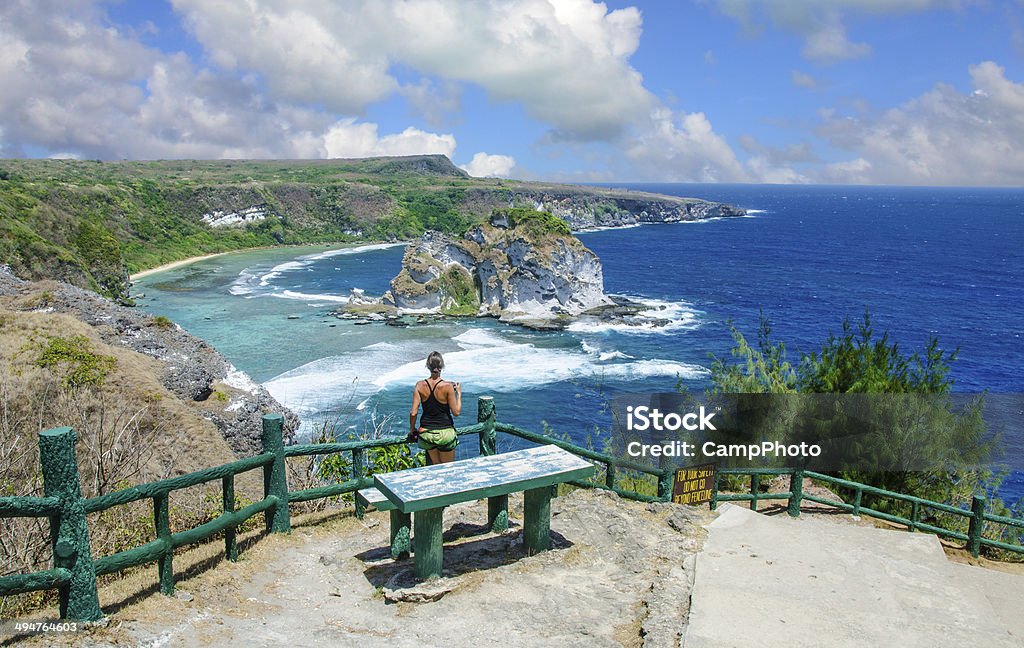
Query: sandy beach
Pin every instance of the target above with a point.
(173, 264)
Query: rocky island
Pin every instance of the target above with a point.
(522, 266)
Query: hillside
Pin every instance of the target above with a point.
(92, 223)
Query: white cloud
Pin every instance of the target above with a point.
(802, 79)
(942, 137)
(291, 80)
(437, 102)
(76, 87)
(484, 165)
(552, 57)
(828, 43)
(819, 22)
(683, 147)
(348, 139)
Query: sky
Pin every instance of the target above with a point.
(913, 92)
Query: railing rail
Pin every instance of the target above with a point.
(74, 572)
(976, 517)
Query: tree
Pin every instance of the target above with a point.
(897, 418)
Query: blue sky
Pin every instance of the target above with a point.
(924, 92)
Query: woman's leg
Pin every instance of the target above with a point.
(445, 456)
(433, 456)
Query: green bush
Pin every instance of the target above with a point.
(74, 358)
(856, 360)
(535, 222)
(162, 322)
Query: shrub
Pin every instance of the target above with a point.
(74, 358)
(162, 322)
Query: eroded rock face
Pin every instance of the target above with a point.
(522, 264)
(191, 366)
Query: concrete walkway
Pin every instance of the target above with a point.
(774, 580)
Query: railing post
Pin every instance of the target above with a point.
(714, 492)
(977, 525)
(609, 475)
(796, 487)
(358, 470)
(275, 479)
(162, 524)
(755, 488)
(497, 506)
(69, 530)
(858, 495)
(228, 500)
(915, 512)
(485, 414)
(665, 484)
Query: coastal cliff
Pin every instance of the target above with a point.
(93, 223)
(521, 266)
(191, 371)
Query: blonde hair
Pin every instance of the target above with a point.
(435, 363)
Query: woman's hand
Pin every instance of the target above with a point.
(458, 389)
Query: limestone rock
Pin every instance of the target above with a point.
(522, 266)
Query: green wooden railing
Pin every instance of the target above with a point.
(75, 571)
(976, 517)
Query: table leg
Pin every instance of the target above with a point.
(400, 541)
(428, 557)
(537, 525)
(497, 513)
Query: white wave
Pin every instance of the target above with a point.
(475, 338)
(291, 294)
(757, 211)
(240, 380)
(381, 345)
(280, 269)
(600, 228)
(243, 284)
(359, 249)
(613, 355)
(658, 316)
(505, 369)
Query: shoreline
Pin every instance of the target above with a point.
(174, 264)
(184, 262)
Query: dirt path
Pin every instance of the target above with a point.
(618, 571)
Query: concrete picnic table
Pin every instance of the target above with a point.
(426, 491)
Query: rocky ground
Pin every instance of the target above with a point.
(619, 574)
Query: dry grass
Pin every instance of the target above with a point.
(131, 430)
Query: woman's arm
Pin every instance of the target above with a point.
(415, 409)
(455, 399)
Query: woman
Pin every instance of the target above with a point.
(440, 399)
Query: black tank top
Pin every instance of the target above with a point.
(436, 415)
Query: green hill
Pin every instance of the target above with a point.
(93, 223)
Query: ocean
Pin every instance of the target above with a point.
(942, 262)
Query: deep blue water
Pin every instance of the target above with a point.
(927, 262)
